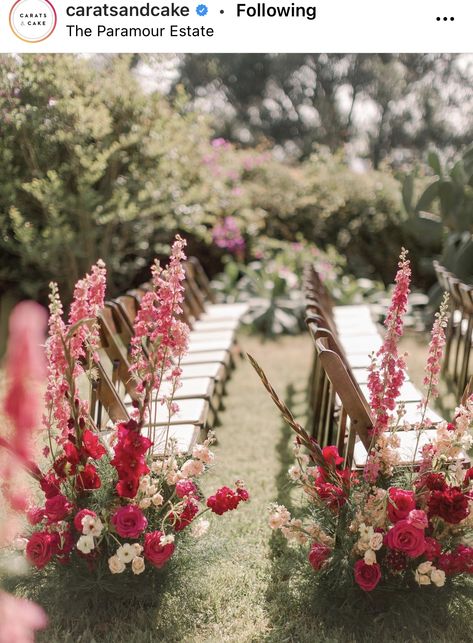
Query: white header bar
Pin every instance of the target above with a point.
(243, 26)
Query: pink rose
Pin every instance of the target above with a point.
(157, 554)
(367, 576)
(418, 518)
(57, 508)
(80, 515)
(318, 555)
(129, 521)
(406, 538)
(39, 549)
(400, 504)
(185, 488)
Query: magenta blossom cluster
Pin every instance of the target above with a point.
(227, 236)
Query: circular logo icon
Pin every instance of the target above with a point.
(33, 20)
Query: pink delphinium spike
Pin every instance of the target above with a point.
(68, 344)
(388, 369)
(436, 347)
(160, 338)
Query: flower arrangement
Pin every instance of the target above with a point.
(112, 506)
(389, 526)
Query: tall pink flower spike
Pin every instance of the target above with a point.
(160, 338)
(81, 338)
(387, 371)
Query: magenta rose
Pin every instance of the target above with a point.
(57, 508)
(154, 551)
(129, 521)
(400, 504)
(367, 576)
(318, 555)
(39, 549)
(406, 538)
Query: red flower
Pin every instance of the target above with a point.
(185, 518)
(50, 485)
(57, 508)
(129, 521)
(450, 504)
(225, 499)
(127, 487)
(63, 544)
(35, 515)
(318, 554)
(39, 549)
(80, 515)
(157, 554)
(331, 456)
(64, 468)
(243, 493)
(333, 496)
(367, 576)
(88, 478)
(406, 538)
(432, 481)
(432, 549)
(458, 561)
(185, 488)
(468, 477)
(400, 504)
(71, 453)
(91, 445)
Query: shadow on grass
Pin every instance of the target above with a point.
(302, 611)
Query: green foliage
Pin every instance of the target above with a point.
(92, 167)
(442, 216)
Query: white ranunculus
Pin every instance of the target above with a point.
(115, 565)
(138, 565)
(438, 577)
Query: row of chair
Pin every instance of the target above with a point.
(206, 368)
(344, 337)
(458, 363)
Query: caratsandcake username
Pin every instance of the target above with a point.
(175, 10)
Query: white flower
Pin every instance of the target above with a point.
(20, 544)
(91, 526)
(370, 557)
(425, 568)
(85, 544)
(126, 553)
(376, 541)
(157, 466)
(144, 483)
(151, 490)
(422, 579)
(438, 577)
(145, 503)
(166, 540)
(138, 548)
(199, 528)
(138, 565)
(157, 500)
(294, 472)
(115, 565)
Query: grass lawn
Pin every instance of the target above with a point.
(240, 583)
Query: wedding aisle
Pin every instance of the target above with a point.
(240, 584)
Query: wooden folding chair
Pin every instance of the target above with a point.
(360, 423)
